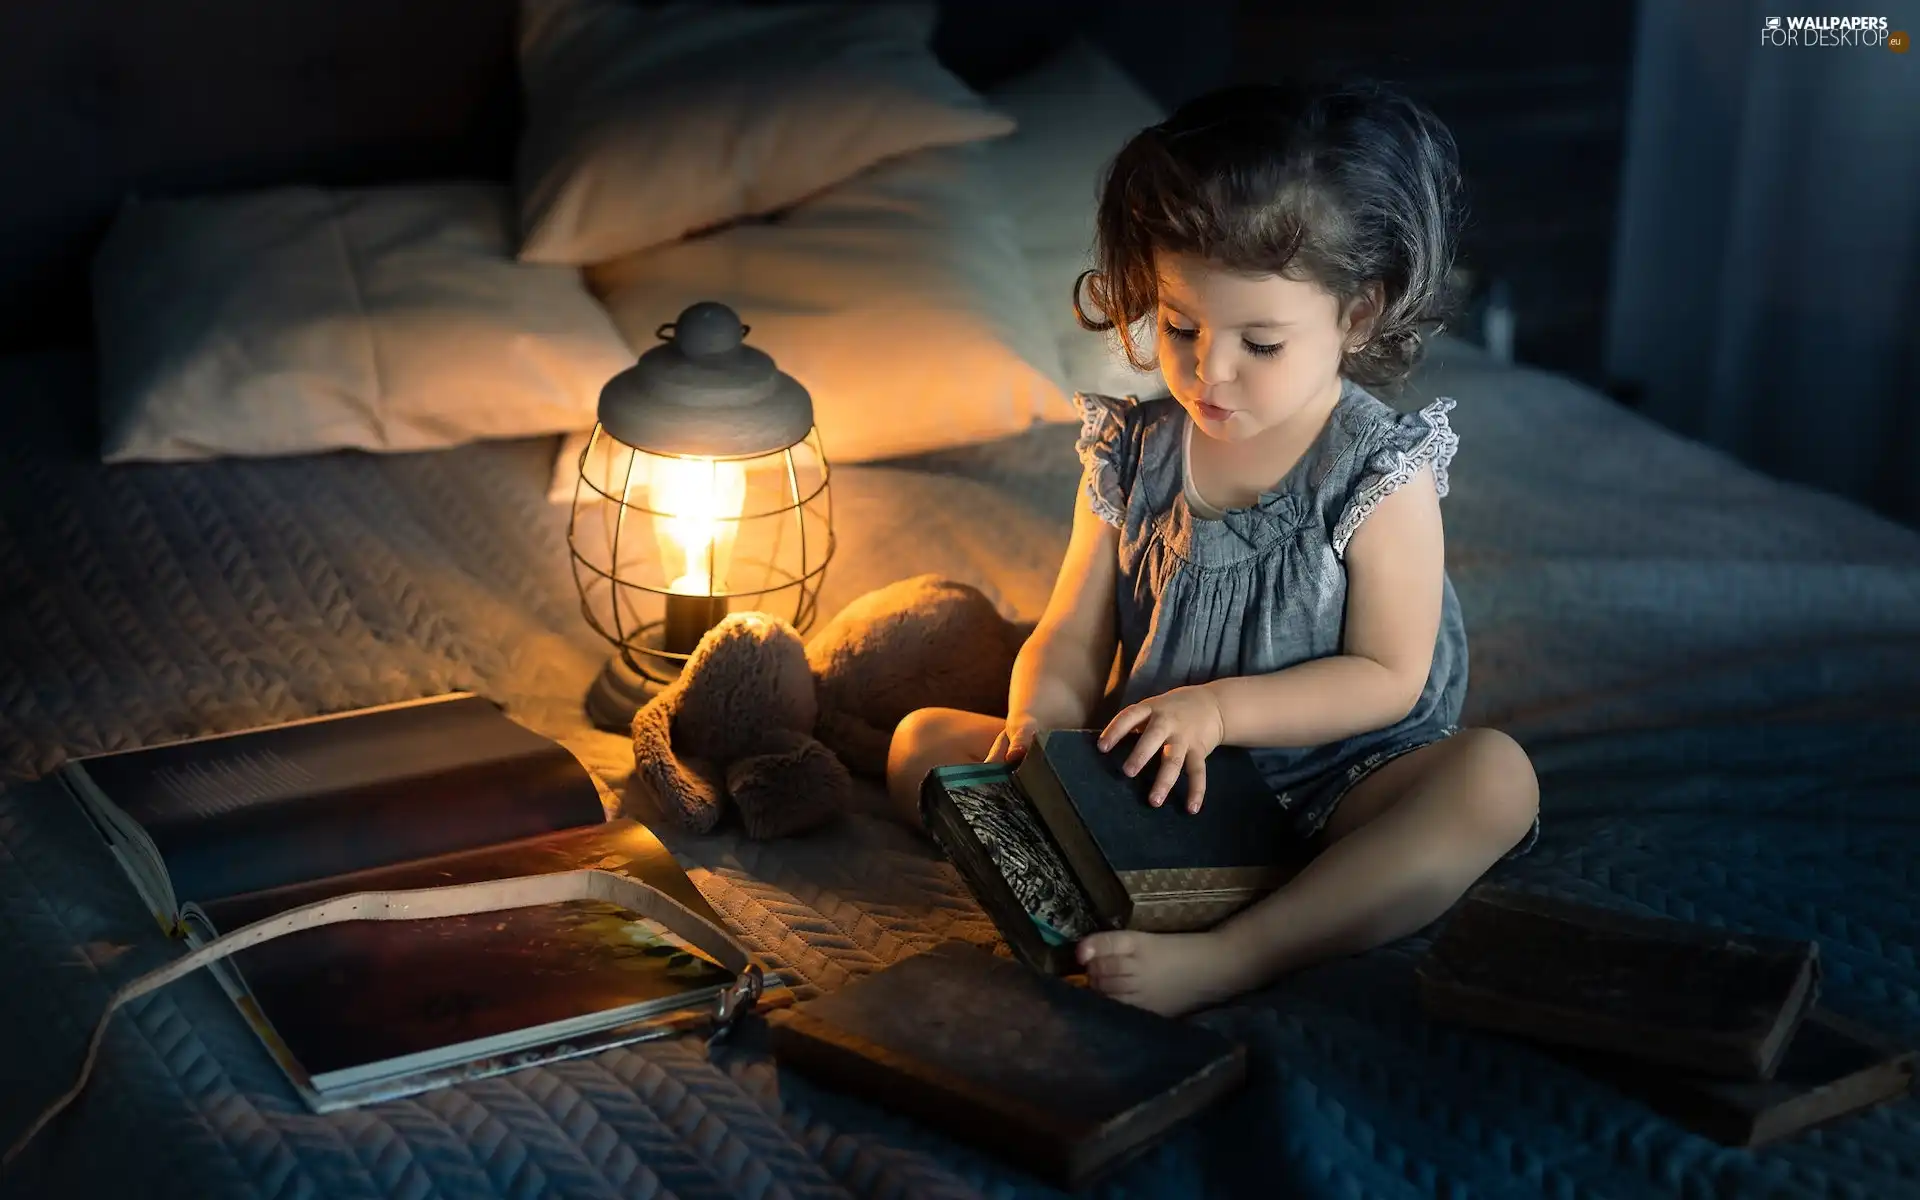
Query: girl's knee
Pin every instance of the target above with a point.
(919, 729)
(917, 721)
(928, 737)
(1503, 792)
(947, 725)
(922, 733)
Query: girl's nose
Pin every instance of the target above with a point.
(1209, 373)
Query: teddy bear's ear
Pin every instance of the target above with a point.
(793, 785)
(686, 790)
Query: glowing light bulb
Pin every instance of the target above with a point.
(696, 504)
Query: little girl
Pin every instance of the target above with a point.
(1264, 548)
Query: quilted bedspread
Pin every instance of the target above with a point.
(1715, 673)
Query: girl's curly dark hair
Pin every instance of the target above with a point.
(1346, 187)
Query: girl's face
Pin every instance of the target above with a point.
(1244, 354)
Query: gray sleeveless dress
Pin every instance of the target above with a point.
(1253, 590)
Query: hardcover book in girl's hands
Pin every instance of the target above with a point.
(218, 833)
(1065, 844)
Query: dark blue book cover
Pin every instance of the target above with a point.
(1240, 822)
(279, 805)
(1160, 868)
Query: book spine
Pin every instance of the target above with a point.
(1193, 898)
(128, 844)
(1188, 913)
(1724, 1055)
(1057, 811)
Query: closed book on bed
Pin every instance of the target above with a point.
(1833, 1067)
(1056, 1078)
(1676, 994)
(1065, 843)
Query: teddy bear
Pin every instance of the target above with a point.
(775, 728)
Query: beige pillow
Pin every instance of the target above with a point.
(299, 320)
(1074, 113)
(644, 123)
(899, 299)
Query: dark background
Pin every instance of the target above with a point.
(1664, 276)
(101, 97)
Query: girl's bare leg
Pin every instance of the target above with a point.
(1405, 844)
(933, 737)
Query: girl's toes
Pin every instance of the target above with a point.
(1106, 947)
(1119, 987)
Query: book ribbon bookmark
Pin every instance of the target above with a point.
(524, 891)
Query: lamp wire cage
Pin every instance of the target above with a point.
(749, 532)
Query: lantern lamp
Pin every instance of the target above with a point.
(703, 490)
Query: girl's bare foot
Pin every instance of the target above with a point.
(1168, 973)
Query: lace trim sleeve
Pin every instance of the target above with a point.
(1415, 442)
(1103, 427)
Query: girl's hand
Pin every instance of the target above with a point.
(1183, 726)
(1014, 741)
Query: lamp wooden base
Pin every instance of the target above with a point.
(625, 684)
(619, 691)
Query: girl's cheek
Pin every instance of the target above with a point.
(1176, 359)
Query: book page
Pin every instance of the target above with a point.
(623, 846)
(272, 807)
(1004, 823)
(381, 997)
(361, 1000)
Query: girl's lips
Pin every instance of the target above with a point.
(1212, 412)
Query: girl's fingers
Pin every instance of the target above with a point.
(1196, 780)
(1151, 738)
(1122, 722)
(999, 751)
(1169, 775)
(1019, 738)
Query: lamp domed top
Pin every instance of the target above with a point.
(704, 391)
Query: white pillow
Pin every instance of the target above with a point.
(898, 299)
(1074, 112)
(644, 123)
(299, 320)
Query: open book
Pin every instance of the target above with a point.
(220, 832)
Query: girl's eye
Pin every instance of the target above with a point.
(1259, 349)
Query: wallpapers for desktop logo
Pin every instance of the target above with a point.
(1849, 32)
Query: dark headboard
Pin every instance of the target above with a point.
(103, 98)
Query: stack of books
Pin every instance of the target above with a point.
(1721, 1031)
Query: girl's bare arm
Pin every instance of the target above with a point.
(1061, 673)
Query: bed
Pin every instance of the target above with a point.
(1714, 672)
